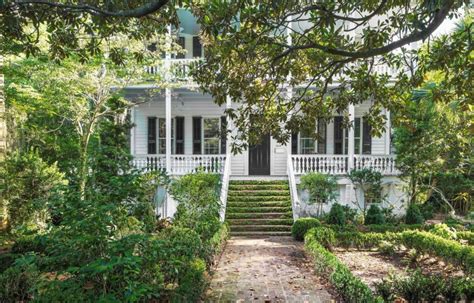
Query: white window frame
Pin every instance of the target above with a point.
(203, 148)
(159, 137)
(316, 142)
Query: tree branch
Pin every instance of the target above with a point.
(141, 11)
(413, 37)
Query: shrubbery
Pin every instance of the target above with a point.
(351, 288)
(301, 226)
(374, 216)
(417, 287)
(337, 215)
(321, 189)
(413, 215)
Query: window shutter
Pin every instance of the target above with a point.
(179, 136)
(181, 43)
(197, 135)
(366, 137)
(294, 143)
(197, 47)
(151, 135)
(223, 134)
(338, 135)
(322, 134)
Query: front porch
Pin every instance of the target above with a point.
(301, 164)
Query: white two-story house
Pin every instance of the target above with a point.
(179, 129)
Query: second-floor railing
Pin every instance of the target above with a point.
(339, 164)
(179, 69)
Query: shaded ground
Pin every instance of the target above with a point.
(273, 269)
(372, 266)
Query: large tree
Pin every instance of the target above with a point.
(333, 52)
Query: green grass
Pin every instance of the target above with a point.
(258, 187)
(257, 182)
(259, 193)
(257, 198)
(247, 221)
(258, 203)
(257, 209)
(286, 215)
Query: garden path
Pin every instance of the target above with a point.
(273, 269)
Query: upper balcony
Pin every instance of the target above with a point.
(179, 70)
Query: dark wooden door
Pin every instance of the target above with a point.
(259, 157)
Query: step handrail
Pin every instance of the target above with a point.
(295, 203)
(225, 187)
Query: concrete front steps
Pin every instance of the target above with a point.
(258, 208)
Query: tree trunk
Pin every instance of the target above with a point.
(3, 124)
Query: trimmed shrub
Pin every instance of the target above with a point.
(325, 236)
(364, 240)
(413, 215)
(374, 216)
(467, 236)
(337, 215)
(351, 288)
(192, 282)
(449, 250)
(301, 226)
(444, 231)
(418, 287)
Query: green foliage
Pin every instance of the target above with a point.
(351, 288)
(417, 287)
(27, 184)
(364, 240)
(444, 231)
(302, 225)
(325, 236)
(468, 236)
(413, 215)
(431, 139)
(198, 203)
(374, 215)
(19, 281)
(370, 183)
(321, 188)
(448, 250)
(337, 215)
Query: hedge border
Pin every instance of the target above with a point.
(351, 288)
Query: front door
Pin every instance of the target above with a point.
(259, 157)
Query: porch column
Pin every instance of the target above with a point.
(132, 130)
(168, 106)
(229, 126)
(388, 128)
(350, 143)
(289, 89)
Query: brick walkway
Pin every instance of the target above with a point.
(274, 269)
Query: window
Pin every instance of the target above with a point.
(197, 47)
(357, 136)
(211, 129)
(362, 137)
(322, 135)
(307, 143)
(162, 136)
(151, 135)
(181, 53)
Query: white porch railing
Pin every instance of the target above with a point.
(295, 203)
(327, 164)
(339, 164)
(384, 164)
(225, 186)
(179, 69)
(182, 164)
